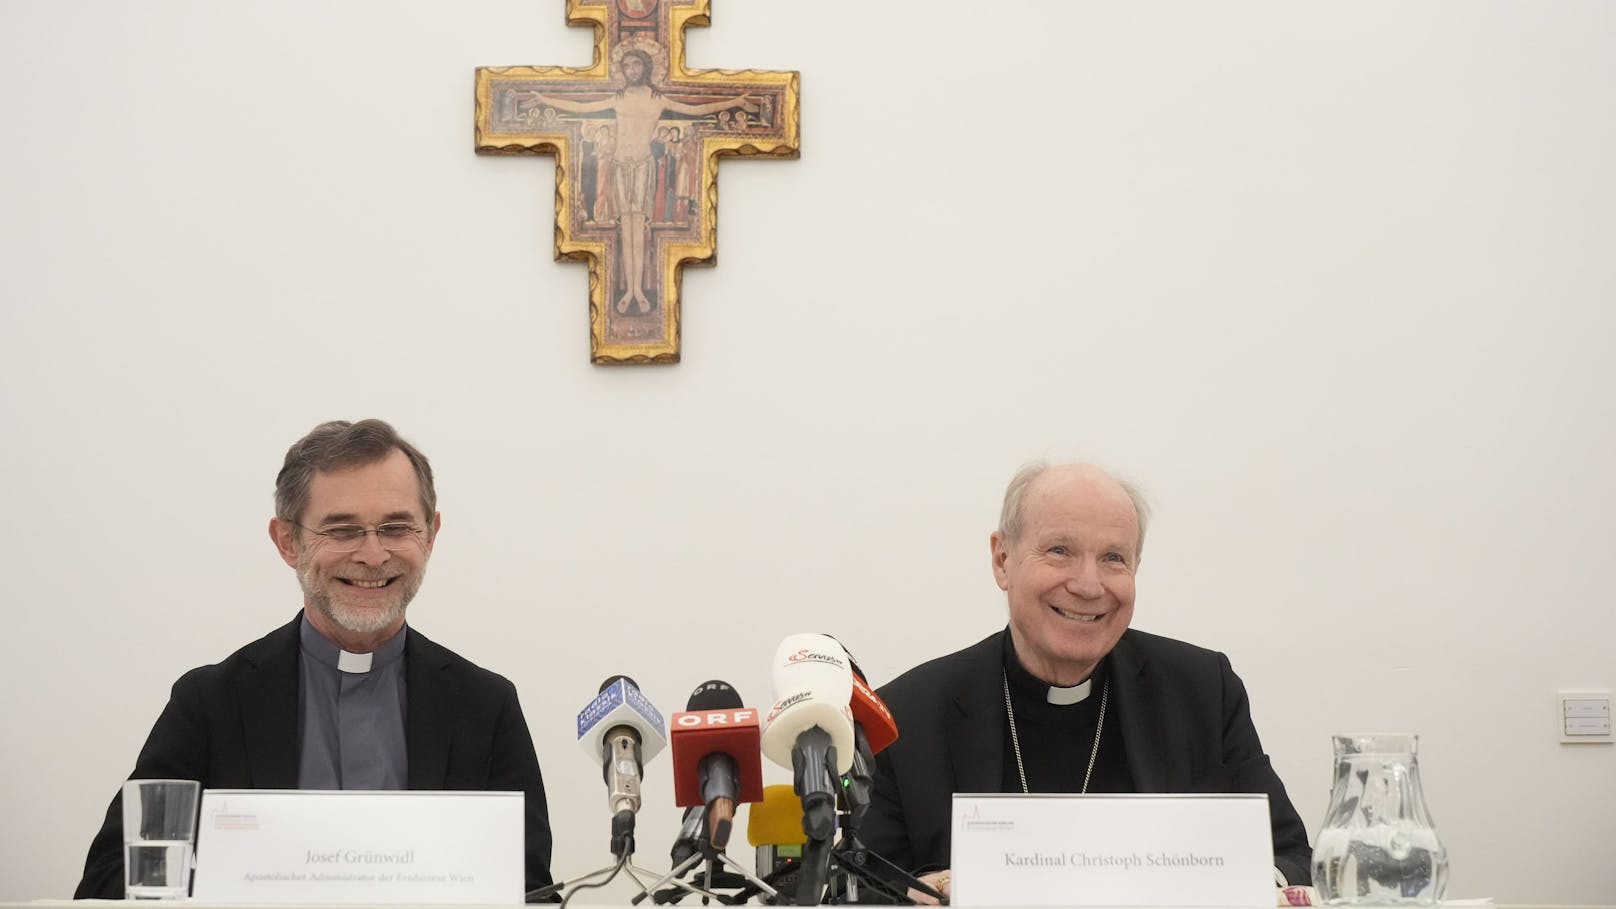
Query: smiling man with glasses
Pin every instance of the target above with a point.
(346, 696)
(356, 515)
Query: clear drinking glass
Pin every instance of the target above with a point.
(1377, 845)
(159, 827)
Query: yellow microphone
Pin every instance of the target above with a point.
(774, 827)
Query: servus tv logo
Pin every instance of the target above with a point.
(809, 656)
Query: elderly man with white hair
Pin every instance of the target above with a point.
(1067, 698)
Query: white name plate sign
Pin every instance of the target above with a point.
(304, 846)
(1112, 850)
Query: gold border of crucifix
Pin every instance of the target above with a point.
(637, 138)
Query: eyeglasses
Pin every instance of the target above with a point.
(350, 537)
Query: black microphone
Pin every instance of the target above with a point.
(691, 831)
(860, 780)
(813, 776)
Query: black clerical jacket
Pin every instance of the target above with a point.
(234, 725)
(1186, 727)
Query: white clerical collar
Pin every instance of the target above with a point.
(1076, 694)
(360, 663)
(327, 652)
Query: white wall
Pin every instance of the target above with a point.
(1333, 281)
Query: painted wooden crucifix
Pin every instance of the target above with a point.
(637, 138)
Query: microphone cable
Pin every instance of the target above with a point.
(622, 861)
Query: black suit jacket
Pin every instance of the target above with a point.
(1186, 727)
(234, 725)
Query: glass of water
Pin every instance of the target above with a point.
(159, 827)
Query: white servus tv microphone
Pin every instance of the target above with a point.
(810, 728)
(813, 683)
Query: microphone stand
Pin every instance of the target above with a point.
(852, 862)
(623, 849)
(739, 878)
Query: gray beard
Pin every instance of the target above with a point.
(357, 621)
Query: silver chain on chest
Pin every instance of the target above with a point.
(1015, 740)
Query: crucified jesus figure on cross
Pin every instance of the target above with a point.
(637, 109)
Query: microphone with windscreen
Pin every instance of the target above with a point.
(870, 713)
(716, 761)
(810, 730)
(873, 730)
(620, 730)
(774, 828)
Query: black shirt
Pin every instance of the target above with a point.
(1057, 739)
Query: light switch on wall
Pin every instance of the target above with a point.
(1585, 717)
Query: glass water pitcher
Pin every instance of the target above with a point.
(1377, 845)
